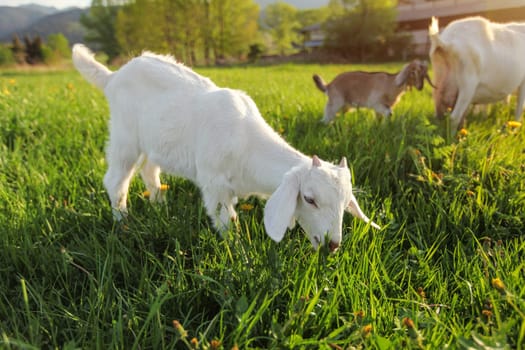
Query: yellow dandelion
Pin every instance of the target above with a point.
(498, 284)
(235, 347)
(246, 206)
(408, 323)
(463, 132)
(194, 342)
(6, 92)
(513, 124)
(359, 314)
(366, 330)
(215, 344)
(180, 328)
(421, 292)
(486, 313)
(163, 187)
(70, 86)
(12, 81)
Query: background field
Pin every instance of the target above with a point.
(445, 270)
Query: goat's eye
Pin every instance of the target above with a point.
(310, 200)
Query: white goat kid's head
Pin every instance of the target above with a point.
(317, 196)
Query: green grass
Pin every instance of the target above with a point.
(453, 217)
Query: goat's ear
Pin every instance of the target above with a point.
(355, 210)
(402, 76)
(280, 207)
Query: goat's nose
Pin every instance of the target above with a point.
(333, 246)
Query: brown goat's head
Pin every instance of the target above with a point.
(416, 72)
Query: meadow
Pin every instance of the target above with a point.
(445, 271)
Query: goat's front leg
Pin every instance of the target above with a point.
(116, 182)
(220, 202)
(520, 101)
(150, 174)
(333, 106)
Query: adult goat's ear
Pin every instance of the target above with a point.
(280, 207)
(355, 210)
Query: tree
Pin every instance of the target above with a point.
(100, 25)
(233, 27)
(281, 19)
(57, 48)
(59, 44)
(33, 49)
(190, 29)
(363, 28)
(19, 52)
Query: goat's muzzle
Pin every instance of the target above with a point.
(333, 246)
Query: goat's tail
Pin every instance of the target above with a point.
(433, 34)
(94, 72)
(319, 82)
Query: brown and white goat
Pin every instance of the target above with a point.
(476, 61)
(377, 90)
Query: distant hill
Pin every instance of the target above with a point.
(15, 18)
(33, 20)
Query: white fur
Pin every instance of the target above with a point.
(165, 115)
(476, 61)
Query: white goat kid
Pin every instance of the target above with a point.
(476, 61)
(377, 90)
(165, 115)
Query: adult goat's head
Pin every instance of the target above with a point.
(317, 196)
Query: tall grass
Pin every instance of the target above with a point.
(445, 271)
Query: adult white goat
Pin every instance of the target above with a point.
(166, 116)
(377, 90)
(476, 61)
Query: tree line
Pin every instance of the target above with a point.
(217, 31)
(213, 31)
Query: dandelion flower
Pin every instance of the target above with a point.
(366, 330)
(513, 124)
(163, 187)
(498, 284)
(408, 323)
(359, 314)
(246, 206)
(194, 342)
(180, 328)
(12, 81)
(215, 344)
(463, 132)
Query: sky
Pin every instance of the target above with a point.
(61, 4)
